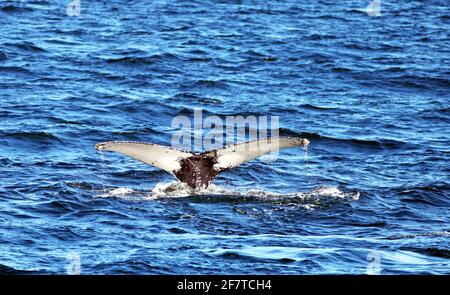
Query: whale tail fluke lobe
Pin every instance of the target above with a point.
(198, 170)
(163, 157)
(237, 154)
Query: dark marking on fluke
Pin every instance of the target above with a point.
(198, 170)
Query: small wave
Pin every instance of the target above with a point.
(26, 46)
(435, 252)
(431, 194)
(419, 82)
(381, 143)
(439, 114)
(39, 2)
(131, 60)
(63, 121)
(316, 37)
(83, 185)
(242, 113)
(193, 97)
(200, 59)
(320, 58)
(15, 70)
(413, 236)
(6, 270)
(198, 52)
(341, 70)
(41, 137)
(61, 42)
(445, 110)
(331, 17)
(57, 207)
(376, 144)
(279, 254)
(368, 47)
(282, 254)
(316, 108)
(15, 9)
(176, 28)
(5, 162)
(254, 55)
(3, 56)
(141, 60)
(75, 32)
(219, 84)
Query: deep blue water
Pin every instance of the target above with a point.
(371, 93)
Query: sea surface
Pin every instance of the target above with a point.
(371, 91)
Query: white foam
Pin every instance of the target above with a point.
(332, 191)
(117, 192)
(307, 199)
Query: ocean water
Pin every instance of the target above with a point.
(371, 93)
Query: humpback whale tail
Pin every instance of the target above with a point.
(199, 169)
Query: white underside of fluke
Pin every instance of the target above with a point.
(168, 158)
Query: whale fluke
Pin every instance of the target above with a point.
(198, 169)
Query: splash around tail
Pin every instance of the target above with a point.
(315, 198)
